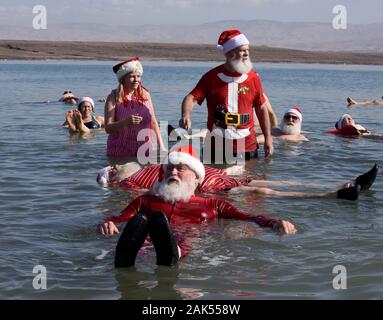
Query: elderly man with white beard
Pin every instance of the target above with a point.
(172, 205)
(290, 127)
(233, 92)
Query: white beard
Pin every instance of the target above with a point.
(294, 129)
(176, 191)
(242, 67)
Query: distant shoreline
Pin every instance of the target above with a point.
(81, 50)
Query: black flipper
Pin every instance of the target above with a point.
(366, 180)
(163, 240)
(350, 193)
(131, 240)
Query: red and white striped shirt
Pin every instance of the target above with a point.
(215, 180)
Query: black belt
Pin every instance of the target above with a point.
(231, 118)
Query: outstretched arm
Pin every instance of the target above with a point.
(227, 211)
(108, 227)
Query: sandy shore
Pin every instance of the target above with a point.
(78, 50)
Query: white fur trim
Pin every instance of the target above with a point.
(296, 112)
(103, 176)
(230, 133)
(235, 42)
(359, 127)
(185, 158)
(132, 66)
(339, 124)
(228, 79)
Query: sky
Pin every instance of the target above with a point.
(141, 12)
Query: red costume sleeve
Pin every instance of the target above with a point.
(349, 131)
(228, 211)
(200, 90)
(133, 208)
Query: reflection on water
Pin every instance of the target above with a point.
(161, 283)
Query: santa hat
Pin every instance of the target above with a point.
(339, 123)
(123, 68)
(188, 156)
(231, 39)
(85, 99)
(296, 111)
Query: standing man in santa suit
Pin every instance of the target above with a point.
(233, 91)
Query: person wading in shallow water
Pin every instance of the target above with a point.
(233, 92)
(83, 120)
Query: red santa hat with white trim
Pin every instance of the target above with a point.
(231, 39)
(296, 111)
(123, 68)
(185, 155)
(339, 123)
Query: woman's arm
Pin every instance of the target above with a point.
(101, 121)
(155, 126)
(80, 123)
(70, 122)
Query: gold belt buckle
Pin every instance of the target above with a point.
(232, 119)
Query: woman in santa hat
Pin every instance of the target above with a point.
(128, 110)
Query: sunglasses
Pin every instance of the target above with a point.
(288, 116)
(65, 92)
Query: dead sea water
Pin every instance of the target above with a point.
(50, 202)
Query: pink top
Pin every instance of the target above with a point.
(123, 143)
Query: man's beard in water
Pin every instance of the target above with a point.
(294, 129)
(240, 66)
(175, 191)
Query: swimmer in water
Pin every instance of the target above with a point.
(83, 120)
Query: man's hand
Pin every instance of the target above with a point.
(108, 228)
(284, 227)
(268, 147)
(186, 123)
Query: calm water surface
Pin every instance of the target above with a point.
(50, 202)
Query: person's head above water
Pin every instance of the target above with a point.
(180, 176)
(344, 120)
(68, 97)
(291, 123)
(85, 104)
(117, 172)
(235, 47)
(129, 73)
